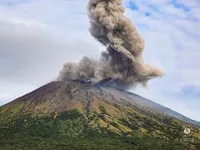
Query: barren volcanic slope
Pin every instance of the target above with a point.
(77, 115)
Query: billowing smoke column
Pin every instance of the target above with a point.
(122, 63)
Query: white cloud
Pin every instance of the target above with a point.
(171, 35)
(33, 50)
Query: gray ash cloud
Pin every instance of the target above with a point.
(122, 62)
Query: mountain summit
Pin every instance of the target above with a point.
(80, 115)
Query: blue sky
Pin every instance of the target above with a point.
(38, 36)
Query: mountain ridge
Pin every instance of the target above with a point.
(173, 113)
(160, 108)
(74, 110)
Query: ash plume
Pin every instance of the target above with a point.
(122, 62)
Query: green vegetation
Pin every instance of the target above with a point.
(71, 131)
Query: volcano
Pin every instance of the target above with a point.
(81, 116)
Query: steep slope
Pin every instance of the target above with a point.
(161, 109)
(78, 115)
